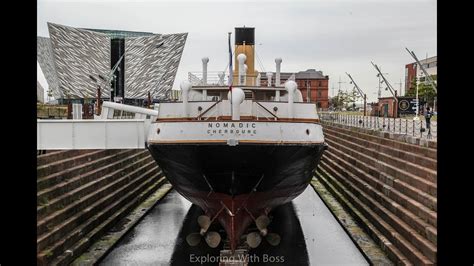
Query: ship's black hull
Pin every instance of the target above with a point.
(244, 180)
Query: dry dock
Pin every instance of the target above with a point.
(310, 236)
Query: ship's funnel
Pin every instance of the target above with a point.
(245, 44)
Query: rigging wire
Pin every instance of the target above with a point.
(260, 61)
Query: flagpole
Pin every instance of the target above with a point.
(231, 77)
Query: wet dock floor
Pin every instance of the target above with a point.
(310, 236)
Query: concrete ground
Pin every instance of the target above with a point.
(310, 236)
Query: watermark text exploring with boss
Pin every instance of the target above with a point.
(265, 258)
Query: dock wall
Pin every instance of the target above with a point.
(388, 182)
(81, 194)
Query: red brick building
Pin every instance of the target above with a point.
(410, 75)
(386, 107)
(311, 83)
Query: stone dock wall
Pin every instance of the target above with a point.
(81, 194)
(388, 182)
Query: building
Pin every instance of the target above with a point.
(125, 64)
(39, 93)
(312, 84)
(410, 75)
(386, 107)
(412, 71)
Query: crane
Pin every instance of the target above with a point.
(428, 77)
(364, 96)
(389, 87)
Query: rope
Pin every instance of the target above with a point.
(260, 61)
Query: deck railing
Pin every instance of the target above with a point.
(415, 128)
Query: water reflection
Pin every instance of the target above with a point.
(290, 251)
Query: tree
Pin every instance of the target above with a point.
(344, 99)
(352, 97)
(337, 102)
(426, 92)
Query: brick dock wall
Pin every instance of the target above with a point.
(388, 182)
(81, 194)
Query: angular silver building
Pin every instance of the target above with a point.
(39, 92)
(47, 65)
(123, 63)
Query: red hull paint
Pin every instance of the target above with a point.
(237, 213)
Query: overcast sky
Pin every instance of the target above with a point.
(333, 36)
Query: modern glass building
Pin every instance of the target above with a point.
(125, 64)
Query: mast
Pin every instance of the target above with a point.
(231, 77)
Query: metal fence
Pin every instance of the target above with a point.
(415, 128)
(214, 78)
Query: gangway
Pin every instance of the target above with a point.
(102, 132)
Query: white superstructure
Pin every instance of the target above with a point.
(237, 120)
(250, 114)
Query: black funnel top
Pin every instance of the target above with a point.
(246, 35)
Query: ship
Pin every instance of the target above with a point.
(237, 147)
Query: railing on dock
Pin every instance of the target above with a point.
(415, 128)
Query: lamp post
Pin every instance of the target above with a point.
(417, 112)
